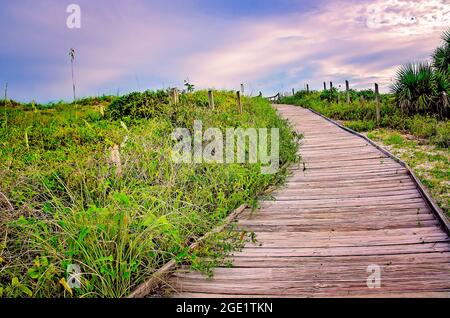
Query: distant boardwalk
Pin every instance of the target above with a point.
(352, 211)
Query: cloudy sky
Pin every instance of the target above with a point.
(271, 46)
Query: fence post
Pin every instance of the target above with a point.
(377, 101)
(293, 92)
(211, 99)
(239, 103)
(324, 86)
(347, 89)
(331, 86)
(242, 89)
(174, 93)
(307, 88)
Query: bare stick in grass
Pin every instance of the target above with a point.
(5, 198)
(5, 101)
(72, 59)
(377, 101)
(239, 102)
(211, 99)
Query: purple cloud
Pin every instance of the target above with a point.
(154, 44)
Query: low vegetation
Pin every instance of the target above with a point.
(92, 183)
(430, 163)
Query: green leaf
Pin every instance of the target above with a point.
(33, 273)
(26, 290)
(105, 259)
(15, 282)
(149, 220)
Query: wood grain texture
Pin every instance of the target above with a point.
(348, 206)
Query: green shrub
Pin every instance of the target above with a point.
(140, 105)
(422, 126)
(360, 126)
(442, 137)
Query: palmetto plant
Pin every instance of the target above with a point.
(414, 88)
(424, 87)
(442, 82)
(441, 56)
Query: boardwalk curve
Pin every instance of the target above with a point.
(349, 211)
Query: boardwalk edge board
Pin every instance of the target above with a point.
(436, 210)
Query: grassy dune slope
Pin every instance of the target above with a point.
(63, 200)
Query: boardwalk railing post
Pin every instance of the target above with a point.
(347, 90)
(239, 102)
(174, 95)
(377, 101)
(211, 99)
(331, 92)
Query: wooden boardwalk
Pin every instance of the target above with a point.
(352, 207)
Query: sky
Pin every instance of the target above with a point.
(270, 46)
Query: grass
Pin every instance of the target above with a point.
(430, 163)
(63, 200)
(422, 141)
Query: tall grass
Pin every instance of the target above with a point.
(70, 207)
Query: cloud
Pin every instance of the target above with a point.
(337, 40)
(408, 17)
(158, 45)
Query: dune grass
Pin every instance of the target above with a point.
(64, 201)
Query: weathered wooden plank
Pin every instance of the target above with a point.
(316, 287)
(319, 273)
(336, 226)
(350, 261)
(416, 294)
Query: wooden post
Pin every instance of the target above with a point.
(5, 101)
(174, 95)
(211, 99)
(324, 86)
(331, 85)
(377, 101)
(347, 89)
(239, 103)
(307, 88)
(293, 92)
(242, 89)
